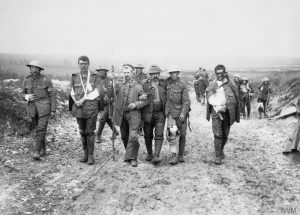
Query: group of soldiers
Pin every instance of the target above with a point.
(245, 89)
(136, 102)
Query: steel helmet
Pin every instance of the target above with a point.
(154, 69)
(237, 76)
(265, 79)
(244, 79)
(173, 68)
(35, 63)
(139, 66)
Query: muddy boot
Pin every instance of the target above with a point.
(84, 158)
(90, 148)
(99, 133)
(158, 145)
(148, 143)
(43, 144)
(115, 134)
(141, 132)
(36, 155)
(218, 150)
(217, 161)
(173, 159)
(134, 163)
(181, 148)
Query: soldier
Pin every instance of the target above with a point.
(246, 92)
(85, 90)
(38, 91)
(196, 86)
(177, 110)
(223, 107)
(141, 78)
(264, 91)
(127, 114)
(153, 114)
(237, 80)
(202, 85)
(106, 101)
(139, 75)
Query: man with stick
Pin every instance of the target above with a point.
(129, 99)
(84, 91)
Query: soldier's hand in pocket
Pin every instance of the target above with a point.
(181, 118)
(132, 106)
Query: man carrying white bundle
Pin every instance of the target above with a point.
(223, 107)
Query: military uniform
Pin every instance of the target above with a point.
(178, 103)
(245, 91)
(129, 120)
(264, 90)
(39, 110)
(106, 102)
(202, 84)
(86, 115)
(223, 119)
(153, 115)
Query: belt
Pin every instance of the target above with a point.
(157, 106)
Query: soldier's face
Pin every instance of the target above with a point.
(174, 75)
(102, 73)
(154, 76)
(83, 66)
(236, 79)
(244, 82)
(127, 73)
(138, 70)
(220, 75)
(35, 70)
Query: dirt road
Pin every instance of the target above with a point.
(255, 177)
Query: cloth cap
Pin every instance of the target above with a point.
(102, 68)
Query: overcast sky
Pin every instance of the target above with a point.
(153, 31)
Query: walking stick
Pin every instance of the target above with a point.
(111, 110)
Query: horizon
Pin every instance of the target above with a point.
(189, 33)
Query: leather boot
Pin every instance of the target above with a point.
(148, 143)
(181, 148)
(43, 144)
(36, 155)
(218, 150)
(115, 134)
(158, 145)
(90, 149)
(84, 158)
(173, 159)
(134, 163)
(114, 129)
(99, 134)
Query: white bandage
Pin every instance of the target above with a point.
(27, 97)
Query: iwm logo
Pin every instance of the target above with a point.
(289, 210)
